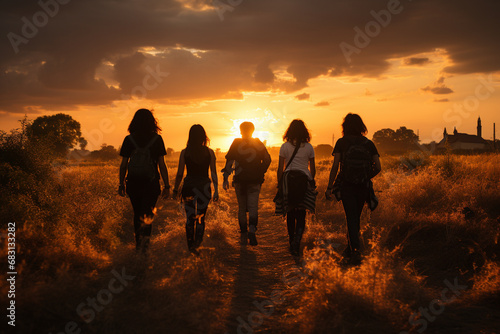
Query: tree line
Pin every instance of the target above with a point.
(60, 136)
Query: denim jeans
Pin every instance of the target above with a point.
(247, 195)
(353, 200)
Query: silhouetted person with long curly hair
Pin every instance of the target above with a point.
(196, 193)
(296, 171)
(359, 162)
(143, 162)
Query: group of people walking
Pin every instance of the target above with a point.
(356, 161)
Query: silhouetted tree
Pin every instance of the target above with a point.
(60, 132)
(106, 153)
(323, 151)
(82, 143)
(384, 139)
(401, 140)
(406, 137)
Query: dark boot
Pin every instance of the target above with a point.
(296, 242)
(346, 254)
(243, 227)
(137, 242)
(200, 229)
(145, 243)
(356, 258)
(190, 236)
(252, 239)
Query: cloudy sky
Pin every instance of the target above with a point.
(424, 64)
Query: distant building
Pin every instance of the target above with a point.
(463, 141)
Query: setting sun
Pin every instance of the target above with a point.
(364, 199)
(268, 127)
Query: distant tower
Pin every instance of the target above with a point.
(494, 138)
(455, 130)
(479, 127)
(445, 133)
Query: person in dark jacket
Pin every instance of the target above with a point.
(142, 183)
(196, 193)
(359, 161)
(251, 161)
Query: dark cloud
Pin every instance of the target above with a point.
(437, 90)
(264, 74)
(438, 87)
(94, 52)
(322, 104)
(416, 61)
(302, 97)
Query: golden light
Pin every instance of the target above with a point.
(267, 128)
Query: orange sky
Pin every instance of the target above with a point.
(432, 66)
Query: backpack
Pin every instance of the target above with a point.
(357, 163)
(141, 166)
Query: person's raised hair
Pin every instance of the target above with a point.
(297, 131)
(144, 122)
(353, 125)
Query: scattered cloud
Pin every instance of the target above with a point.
(59, 67)
(322, 104)
(302, 97)
(416, 61)
(438, 87)
(441, 100)
(438, 90)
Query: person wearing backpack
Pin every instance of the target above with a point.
(251, 161)
(197, 158)
(359, 162)
(296, 185)
(143, 153)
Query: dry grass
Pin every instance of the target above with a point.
(414, 241)
(74, 229)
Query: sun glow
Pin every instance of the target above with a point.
(268, 128)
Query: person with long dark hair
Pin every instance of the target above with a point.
(296, 171)
(143, 153)
(359, 162)
(196, 193)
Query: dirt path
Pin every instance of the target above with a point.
(257, 272)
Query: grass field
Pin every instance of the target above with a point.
(427, 267)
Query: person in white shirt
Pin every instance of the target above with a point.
(296, 171)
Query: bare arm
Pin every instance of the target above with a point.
(213, 173)
(164, 175)
(312, 167)
(334, 170)
(163, 171)
(180, 172)
(123, 173)
(228, 169)
(123, 170)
